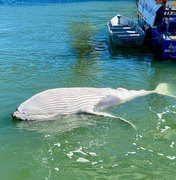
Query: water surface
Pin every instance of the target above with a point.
(66, 45)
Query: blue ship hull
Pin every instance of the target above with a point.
(159, 23)
(163, 45)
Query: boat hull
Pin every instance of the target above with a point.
(162, 44)
(127, 41)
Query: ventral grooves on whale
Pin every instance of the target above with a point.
(53, 103)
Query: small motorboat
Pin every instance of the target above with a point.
(124, 32)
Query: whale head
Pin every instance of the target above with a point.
(20, 115)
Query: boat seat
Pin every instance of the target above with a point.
(125, 32)
(128, 35)
(120, 27)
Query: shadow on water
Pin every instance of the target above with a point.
(87, 42)
(128, 52)
(88, 46)
(81, 34)
(64, 124)
(69, 123)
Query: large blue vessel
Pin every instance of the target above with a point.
(158, 20)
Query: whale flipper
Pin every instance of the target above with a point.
(90, 111)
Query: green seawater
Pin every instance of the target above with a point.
(67, 45)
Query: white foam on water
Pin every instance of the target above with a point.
(142, 148)
(115, 165)
(165, 129)
(93, 163)
(160, 154)
(172, 144)
(96, 143)
(70, 154)
(132, 152)
(82, 160)
(50, 151)
(79, 150)
(47, 135)
(150, 150)
(159, 115)
(171, 157)
(57, 144)
(92, 153)
(138, 136)
(56, 169)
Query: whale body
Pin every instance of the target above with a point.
(54, 103)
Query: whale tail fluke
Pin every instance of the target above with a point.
(163, 88)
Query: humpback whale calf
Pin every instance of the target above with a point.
(54, 103)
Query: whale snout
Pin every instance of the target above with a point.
(15, 114)
(18, 115)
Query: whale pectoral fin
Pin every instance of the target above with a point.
(90, 111)
(100, 113)
(126, 121)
